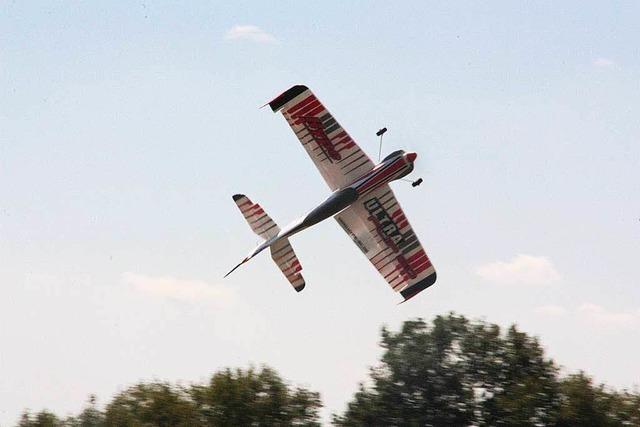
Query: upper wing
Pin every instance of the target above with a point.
(335, 154)
(379, 228)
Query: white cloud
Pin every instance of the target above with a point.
(191, 291)
(600, 316)
(551, 310)
(593, 314)
(604, 62)
(250, 33)
(522, 269)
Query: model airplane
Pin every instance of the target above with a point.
(362, 201)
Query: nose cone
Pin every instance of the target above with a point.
(411, 157)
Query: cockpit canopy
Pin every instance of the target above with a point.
(396, 153)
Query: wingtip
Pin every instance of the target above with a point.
(418, 287)
(237, 197)
(300, 287)
(279, 101)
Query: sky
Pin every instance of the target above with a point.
(125, 127)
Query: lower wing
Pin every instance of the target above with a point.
(377, 225)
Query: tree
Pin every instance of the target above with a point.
(580, 404)
(231, 398)
(90, 416)
(527, 390)
(455, 372)
(41, 419)
(583, 403)
(254, 398)
(421, 380)
(155, 404)
(448, 372)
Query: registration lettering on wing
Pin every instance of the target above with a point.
(389, 232)
(387, 228)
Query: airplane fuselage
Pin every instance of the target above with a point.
(395, 166)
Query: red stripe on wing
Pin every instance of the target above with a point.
(304, 111)
(416, 256)
(422, 267)
(347, 146)
(301, 104)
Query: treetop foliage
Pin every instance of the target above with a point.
(231, 398)
(457, 372)
(448, 372)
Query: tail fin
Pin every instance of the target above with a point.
(281, 250)
(258, 220)
(284, 256)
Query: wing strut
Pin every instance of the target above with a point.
(380, 133)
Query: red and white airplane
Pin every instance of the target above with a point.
(362, 201)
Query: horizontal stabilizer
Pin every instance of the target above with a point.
(281, 250)
(283, 255)
(257, 218)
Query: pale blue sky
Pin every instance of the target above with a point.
(126, 127)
